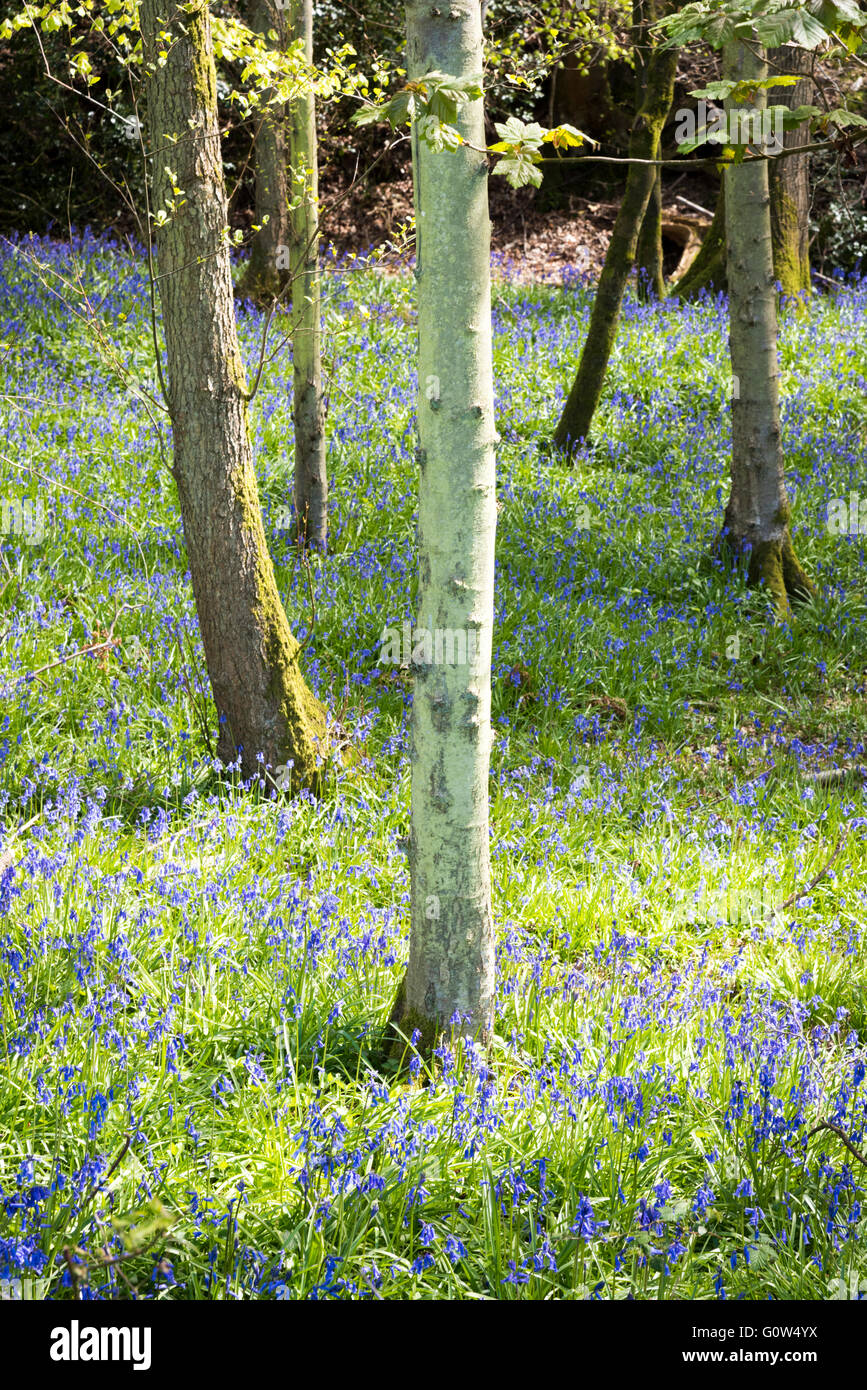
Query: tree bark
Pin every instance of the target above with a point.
(267, 271)
(263, 704)
(648, 256)
(790, 181)
(574, 423)
(308, 412)
(451, 960)
(756, 525)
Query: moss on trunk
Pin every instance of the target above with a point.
(775, 565)
(266, 274)
(708, 270)
(789, 182)
(263, 704)
(403, 1023)
(574, 423)
(648, 257)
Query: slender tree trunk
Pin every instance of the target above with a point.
(708, 270)
(790, 181)
(308, 413)
(574, 424)
(648, 256)
(267, 271)
(451, 961)
(263, 704)
(757, 516)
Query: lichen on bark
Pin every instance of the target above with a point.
(263, 704)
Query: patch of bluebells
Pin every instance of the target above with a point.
(194, 934)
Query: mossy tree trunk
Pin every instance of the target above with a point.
(308, 413)
(648, 256)
(574, 423)
(790, 181)
(451, 959)
(263, 703)
(708, 270)
(267, 271)
(756, 525)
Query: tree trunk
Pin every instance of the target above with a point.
(308, 413)
(757, 516)
(267, 271)
(263, 704)
(451, 960)
(648, 256)
(790, 181)
(708, 270)
(574, 423)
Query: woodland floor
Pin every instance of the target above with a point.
(196, 974)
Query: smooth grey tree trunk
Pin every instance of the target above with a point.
(757, 516)
(308, 413)
(263, 703)
(451, 962)
(266, 274)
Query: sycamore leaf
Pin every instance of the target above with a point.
(842, 118)
(741, 91)
(437, 134)
(792, 117)
(519, 171)
(518, 132)
(564, 136)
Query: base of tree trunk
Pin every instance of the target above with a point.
(396, 1045)
(775, 564)
(408, 1021)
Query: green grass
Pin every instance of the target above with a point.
(206, 971)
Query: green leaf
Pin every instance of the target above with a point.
(368, 115)
(519, 172)
(842, 118)
(741, 91)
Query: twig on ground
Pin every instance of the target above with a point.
(835, 1129)
(831, 776)
(817, 878)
